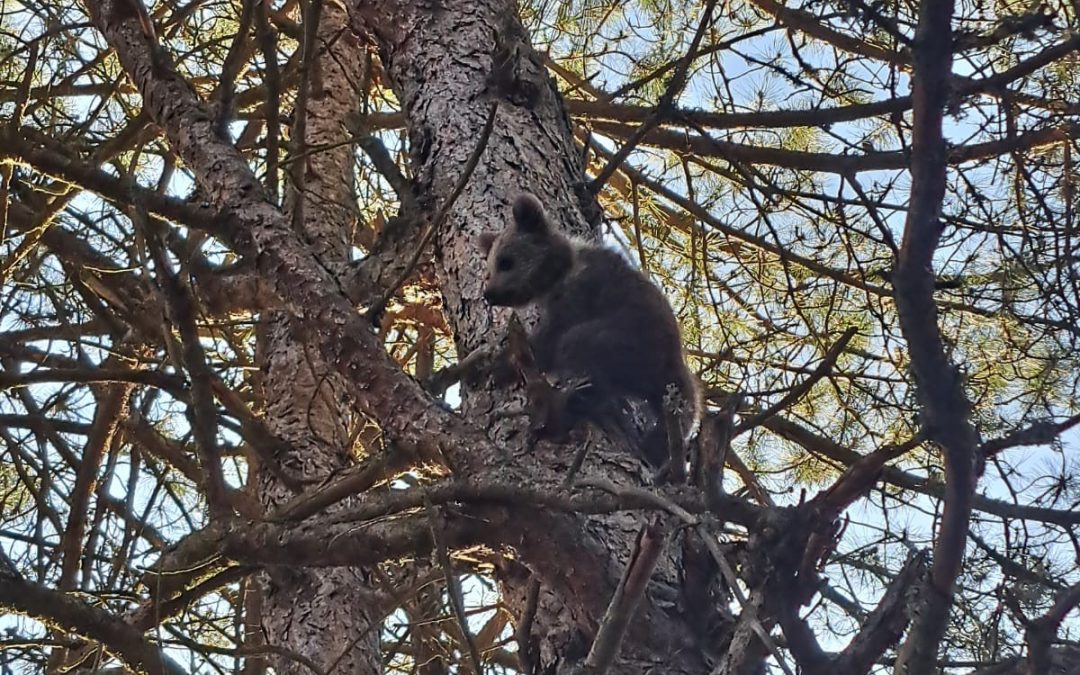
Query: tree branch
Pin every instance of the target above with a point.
(801, 389)
(663, 108)
(64, 611)
(260, 230)
(944, 406)
(705, 145)
(816, 443)
(202, 415)
(1041, 632)
(649, 544)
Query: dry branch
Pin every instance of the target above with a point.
(649, 544)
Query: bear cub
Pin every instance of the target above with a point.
(602, 322)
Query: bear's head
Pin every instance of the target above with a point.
(527, 259)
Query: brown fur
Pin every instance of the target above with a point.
(601, 320)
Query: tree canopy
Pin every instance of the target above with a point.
(238, 284)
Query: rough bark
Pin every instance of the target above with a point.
(327, 615)
(448, 67)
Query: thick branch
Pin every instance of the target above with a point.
(650, 543)
(64, 611)
(944, 405)
(505, 505)
(884, 626)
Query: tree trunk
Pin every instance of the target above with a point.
(440, 63)
(327, 615)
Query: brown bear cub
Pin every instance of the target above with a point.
(601, 322)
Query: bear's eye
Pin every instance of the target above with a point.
(504, 263)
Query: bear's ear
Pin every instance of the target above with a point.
(529, 214)
(485, 240)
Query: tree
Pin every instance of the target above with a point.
(240, 274)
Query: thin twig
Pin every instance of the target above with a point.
(384, 163)
(646, 496)
(453, 587)
(664, 106)
(801, 389)
(268, 45)
(111, 406)
(7, 168)
(297, 170)
(526, 654)
(474, 361)
(377, 308)
(239, 51)
(203, 415)
(733, 583)
(354, 481)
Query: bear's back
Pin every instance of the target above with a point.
(602, 287)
